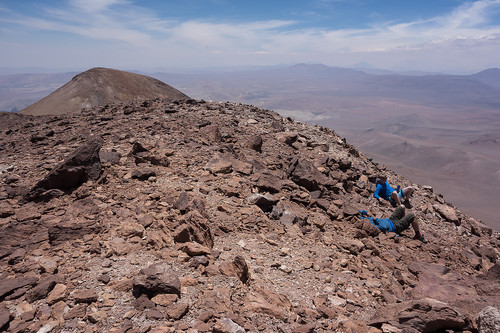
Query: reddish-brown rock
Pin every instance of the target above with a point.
(157, 279)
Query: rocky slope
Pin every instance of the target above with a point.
(99, 86)
(194, 216)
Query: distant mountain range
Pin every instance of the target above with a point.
(435, 129)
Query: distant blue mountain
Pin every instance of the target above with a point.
(489, 76)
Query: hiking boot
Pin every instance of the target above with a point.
(408, 204)
(422, 239)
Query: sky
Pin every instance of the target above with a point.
(447, 36)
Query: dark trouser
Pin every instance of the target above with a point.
(400, 220)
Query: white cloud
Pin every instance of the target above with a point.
(274, 41)
(96, 5)
(471, 14)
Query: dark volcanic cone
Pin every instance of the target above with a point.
(100, 86)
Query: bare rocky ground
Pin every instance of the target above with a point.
(197, 216)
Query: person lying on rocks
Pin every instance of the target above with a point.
(397, 222)
(384, 191)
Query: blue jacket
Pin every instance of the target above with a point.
(383, 191)
(385, 225)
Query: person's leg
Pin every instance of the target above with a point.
(398, 213)
(418, 234)
(407, 192)
(404, 222)
(395, 198)
(416, 228)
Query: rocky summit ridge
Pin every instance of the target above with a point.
(195, 216)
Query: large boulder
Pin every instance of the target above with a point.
(419, 316)
(80, 166)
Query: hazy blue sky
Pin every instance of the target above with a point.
(431, 35)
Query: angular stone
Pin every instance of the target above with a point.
(182, 203)
(303, 173)
(197, 261)
(85, 296)
(48, 265)
(255, 143)
(9, 285)
(242, 167)
(351, 325)
(156, 279)
(308, 328)
(78, 311)
(25, 311)
(423, 315)
(132, 229)
(353, 246)
(143, 173)
(110, 157)
(119, 246)
(265, 202)
(194, 249)
(237, 267)
(194, 228)
(211, 133)
(104, 278)
(96, 317)
(123, 284)
(268, 302)
(351, 209)
(16, 257)
(287, 137)
(165, 299)
(5, 317)
(154, 315)
(219, 165)
(217, 300)
(368, 227)
(289, 217)
(228, 326)
(143, 302)
(58, 293)
(319, 220)
(177, 311)
(42, 289)
(59, 309)
(81, 165)
(447, 212)
(269, 183)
